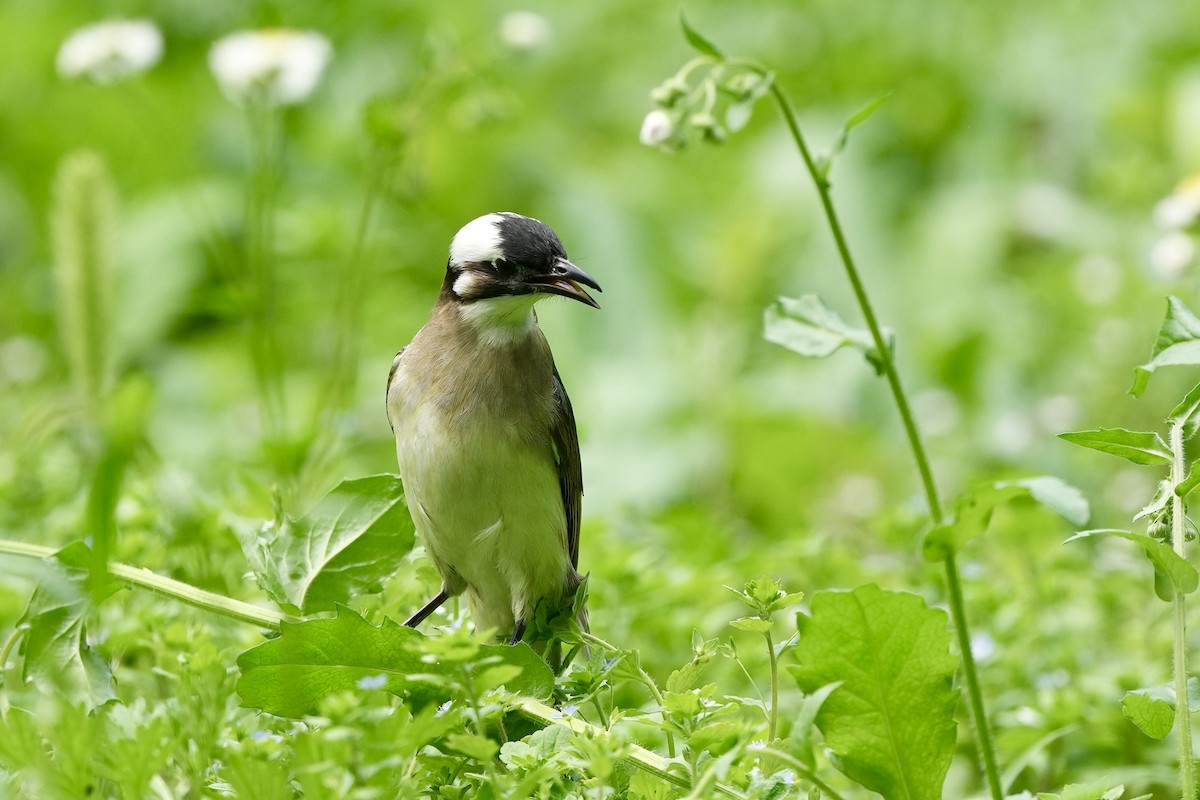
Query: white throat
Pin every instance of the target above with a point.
(501, 320)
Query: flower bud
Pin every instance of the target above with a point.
(669, 93)
(657, 128)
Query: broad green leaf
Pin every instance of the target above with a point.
(752, 624)
(805, 325)
(1178, 344)
(1151, 710)
(1140, 447)
(1174, 567)
(55, 645)
(974, 510)
(290, 675)
(347, 544)
(698, 42)
(890, 725)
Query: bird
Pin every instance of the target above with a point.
(486, 439)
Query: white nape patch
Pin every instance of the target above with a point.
(501, 320)
(477, 241)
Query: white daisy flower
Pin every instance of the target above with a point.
(657, 128)
(111, 50)
(275, 66)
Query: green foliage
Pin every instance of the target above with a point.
(310, 661)
(1152, 710)
(1178, 344)
(1178, 571)
(54, 632)
(347, 544)
(1137, 446)
(806, 326)
(974, 510)
(890, 723)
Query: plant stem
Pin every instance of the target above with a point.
(646, 679)
(1187, 768)
(953, 586)
(773, 716)
(145, 579)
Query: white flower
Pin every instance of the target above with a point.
(524, 30)
(276, 66)
(657, 128)
(109, 51)
(1172, 254)
(1181, 208)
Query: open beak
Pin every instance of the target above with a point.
(564, 280)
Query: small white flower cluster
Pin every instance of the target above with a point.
(1175, 214)
(274, 67)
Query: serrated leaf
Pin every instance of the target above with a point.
(1178, 344)
(1140, 447)
(698, 42)
(1151, 710)
(973, 512)
(686, 677)
(350, 541)
(289, 676)
(805, 325)
(890, 724)
(1175, 568)
(55, 644)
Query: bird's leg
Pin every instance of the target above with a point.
(430, 607)
(518, 631)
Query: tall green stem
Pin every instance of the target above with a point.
(1187, 768)
(953, 585)
(773, 714)
(265, 350)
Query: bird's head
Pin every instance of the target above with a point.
(505, 260)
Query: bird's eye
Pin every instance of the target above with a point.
(505, 268)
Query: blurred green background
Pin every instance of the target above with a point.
(1000, 205)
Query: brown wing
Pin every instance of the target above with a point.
(570, 469)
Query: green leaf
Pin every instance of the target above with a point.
(1174, 567)
(477, 747)
(802, 725)
(698, 42)
(347, 544)
(1185, 413)
(1151, 710)
(753, 624)
(974, 510)
(1178, 344)
(1140, 447)
(290, 675)
(1188, 484)
(55, 644)
(890, 725)
(856, 119)
(805, 325)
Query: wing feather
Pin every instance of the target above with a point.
(570, 468)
